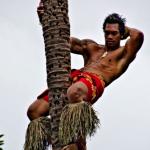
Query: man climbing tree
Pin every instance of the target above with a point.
(102, 65)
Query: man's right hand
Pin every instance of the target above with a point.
(40, 11)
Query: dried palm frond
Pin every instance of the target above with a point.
(38, 134)
(1, 141)
(77, 119)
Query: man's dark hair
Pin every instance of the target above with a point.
(115, 18)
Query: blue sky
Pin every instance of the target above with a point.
(124, 109)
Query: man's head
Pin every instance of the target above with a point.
(114, 29)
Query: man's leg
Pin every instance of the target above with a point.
(39, 125)
(77, 92)
(38, 108)
(80, 114)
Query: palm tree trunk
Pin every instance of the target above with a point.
(56, 32)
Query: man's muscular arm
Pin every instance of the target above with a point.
(133, 44)
(79, 46)
(76, 46)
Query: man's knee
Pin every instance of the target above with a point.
(32, 113)
(38, 109)
(77, 92)
(73, 94)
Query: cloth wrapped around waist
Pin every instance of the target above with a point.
(93, 82)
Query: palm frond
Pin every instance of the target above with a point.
(1, 141)
(38, 134)
(77, 120)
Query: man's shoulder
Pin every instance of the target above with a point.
(88, 41)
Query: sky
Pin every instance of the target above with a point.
(124, 108)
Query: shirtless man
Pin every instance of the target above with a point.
(108, 62)
(102, 63)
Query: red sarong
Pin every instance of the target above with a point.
(93, 82)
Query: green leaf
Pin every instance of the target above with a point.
(1, 141)
(1, 135)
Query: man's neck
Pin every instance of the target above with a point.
(109, 49)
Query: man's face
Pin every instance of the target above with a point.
(112, 36)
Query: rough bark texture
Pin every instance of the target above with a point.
(56, 32)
